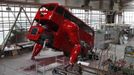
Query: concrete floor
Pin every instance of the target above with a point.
(18, 65)
(14, 65)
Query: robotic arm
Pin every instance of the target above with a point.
(36, 50)
(36, 34)
(74, 54)
(73, 33)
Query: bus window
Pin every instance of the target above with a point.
(48, 8)
(60, 10)
(70, 17)
(67, 15)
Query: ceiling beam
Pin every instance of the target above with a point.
(21, 3)
(101, 4)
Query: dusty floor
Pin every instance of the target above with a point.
(22, 65)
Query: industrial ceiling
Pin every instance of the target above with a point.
(88, 4)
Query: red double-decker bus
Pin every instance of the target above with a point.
(63, 30)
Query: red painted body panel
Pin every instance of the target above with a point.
(35, 35)
(66, 33)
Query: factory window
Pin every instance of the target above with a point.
(128, 17)
(1, 37)
(8, 15)
(92, 18)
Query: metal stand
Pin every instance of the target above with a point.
(4, 43)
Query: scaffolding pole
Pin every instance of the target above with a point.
(4, 43)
